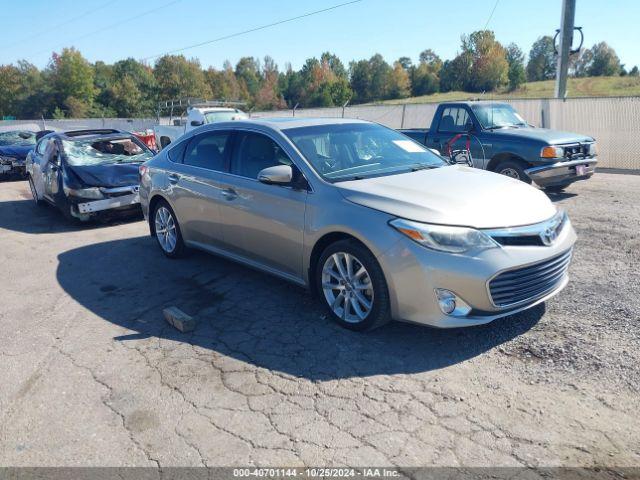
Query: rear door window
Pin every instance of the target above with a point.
(208, 150)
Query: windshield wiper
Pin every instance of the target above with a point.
(422, 166)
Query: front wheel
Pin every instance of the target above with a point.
(513, 169)
(352, 286)
(167, 231)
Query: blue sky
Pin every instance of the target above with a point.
(111, 29)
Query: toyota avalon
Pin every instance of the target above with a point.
(379, 226)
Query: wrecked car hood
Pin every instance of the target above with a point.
(454, 195)
(16, 151)
(110, 175)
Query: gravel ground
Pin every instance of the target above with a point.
(93, 375)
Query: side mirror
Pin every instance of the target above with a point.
(196, 123)
(468, 127)
(278, 175)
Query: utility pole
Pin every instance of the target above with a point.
(564, 50)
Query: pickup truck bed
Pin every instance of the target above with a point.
(417, 134)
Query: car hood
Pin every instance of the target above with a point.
(111, 175)
(453, 195)
(16, 151)
(544, 135)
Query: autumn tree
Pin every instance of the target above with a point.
(399, 82)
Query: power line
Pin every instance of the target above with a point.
(113, 25)
(255, 29)
(491, 15)
(71, 20)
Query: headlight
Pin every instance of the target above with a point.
(552, 152)
(593, 149)
(444, 238)
(92, 193)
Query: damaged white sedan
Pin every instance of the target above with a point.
(87, 172)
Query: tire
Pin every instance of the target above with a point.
(364, 293)
(513, 169)
(164, 219)
(34, 193)
(556, 189)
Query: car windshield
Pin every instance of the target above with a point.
(354, 151)
(498, 116)
(224, 115)
(101, 152)
(17, 138)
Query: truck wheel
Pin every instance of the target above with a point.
(513, 169)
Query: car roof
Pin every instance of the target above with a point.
(285, 123)
(98, 134)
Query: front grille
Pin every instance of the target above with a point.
(529, 283)
(576, 151)
(519, 241)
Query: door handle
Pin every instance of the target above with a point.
(229, 194)
(173, 178)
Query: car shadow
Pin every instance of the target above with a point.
(26, 217)
(557, 197)
(256, 318)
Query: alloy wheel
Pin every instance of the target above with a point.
(347, 287)
(166, 229)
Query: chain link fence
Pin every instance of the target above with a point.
(614, 122)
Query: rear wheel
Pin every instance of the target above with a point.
(513, 169)
(352, 286)
(167, 231)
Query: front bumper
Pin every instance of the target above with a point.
(562, 173)
(122, 197)
(413, 273)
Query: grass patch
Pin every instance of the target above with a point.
(578, 87)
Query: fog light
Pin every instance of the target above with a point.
(451, 304)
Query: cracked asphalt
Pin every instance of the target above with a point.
(92, 375)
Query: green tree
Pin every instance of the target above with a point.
(425, 78)
(133, 89)
(604, 61)
(10, 88)
(515, 58)
(71, 76)
(360, 80)
(634, 72)
(178, 77)
(542, 60)
(248, 73)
